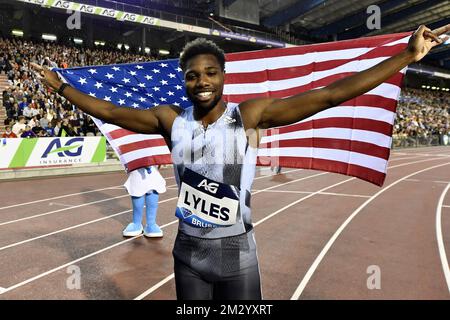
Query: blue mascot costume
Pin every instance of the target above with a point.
(144, 186)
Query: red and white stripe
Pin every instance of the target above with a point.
(353, 138)
(136, 150)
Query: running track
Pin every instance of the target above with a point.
(317, 235)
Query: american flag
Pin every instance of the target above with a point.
(353, 138)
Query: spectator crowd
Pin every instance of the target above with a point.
(422, 117)
(31, 109)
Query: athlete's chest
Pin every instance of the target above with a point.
(219, 142)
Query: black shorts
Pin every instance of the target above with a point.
(220, 269)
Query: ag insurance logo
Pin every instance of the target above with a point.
(57, 153)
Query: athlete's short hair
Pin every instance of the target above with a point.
(201, 46)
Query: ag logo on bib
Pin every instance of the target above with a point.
(206, 203)
(211, 187)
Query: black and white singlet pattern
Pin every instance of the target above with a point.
(214, 169)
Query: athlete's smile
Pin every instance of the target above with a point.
(204, 79)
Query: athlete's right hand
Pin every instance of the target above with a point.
(46, 76)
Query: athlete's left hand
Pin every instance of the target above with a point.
(424, 39)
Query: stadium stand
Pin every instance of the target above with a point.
(22, 95)
(422, 118)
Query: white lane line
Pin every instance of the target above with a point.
(60, 210)
(282, 191)
(66, 195)
(345, 195)
(108, 248)
(74, 227)
(434, 181)
(155, 287)
(414, 162)
(59, 204)
(271, 175)
(264, 168)
(2, 290)
(289, 182)
(54, 198)
(440, 239)
(437, 149)
(309, 192)
(446, 206)
(431, 154)
(406, 158)
(330, 242)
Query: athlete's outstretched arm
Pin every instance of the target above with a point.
(155, 120)
(267, 113)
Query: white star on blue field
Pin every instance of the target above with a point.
(135, 85)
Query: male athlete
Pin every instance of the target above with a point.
(215, 251)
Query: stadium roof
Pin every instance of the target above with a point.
(344, 18)
(311, 20)
(347, 19)
(322, 19)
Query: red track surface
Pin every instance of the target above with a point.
(316, 234)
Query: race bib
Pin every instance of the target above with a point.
(205, 203)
